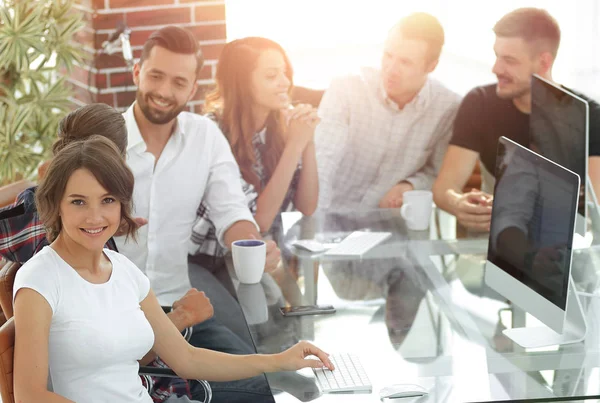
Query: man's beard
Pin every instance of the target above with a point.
(154, 116)
(513, 93)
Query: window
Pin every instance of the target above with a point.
(327, 38)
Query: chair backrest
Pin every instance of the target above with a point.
(7, 352)
(7, 281)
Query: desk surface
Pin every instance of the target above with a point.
(415, 309)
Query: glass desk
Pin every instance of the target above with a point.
(415, 309)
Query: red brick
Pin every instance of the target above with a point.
(108, 99)
(83, 76)
(212, 52)
(205, 73)
(99, 39)
(202, 91)
(121, 80)
(210, 13)
(107, 21)
(84, 95)
(138, 38)
(159, 17)
(138, 3)
(101, 80)
(98, 4)
(124, 99)
(209, 32)
(201, 32)
(104, 61)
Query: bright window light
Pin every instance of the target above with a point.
(327, 38)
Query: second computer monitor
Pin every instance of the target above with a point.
(531, 235)
(559, 130)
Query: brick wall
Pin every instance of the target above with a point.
(106, 78)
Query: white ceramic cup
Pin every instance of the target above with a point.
(249, 256)
(253, 302)
(416, 209)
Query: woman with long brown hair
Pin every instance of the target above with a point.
(271, 140)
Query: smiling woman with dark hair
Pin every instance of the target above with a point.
(271, 140)
(77, 304)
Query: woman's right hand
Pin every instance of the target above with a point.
(302, 121)
(295, 358)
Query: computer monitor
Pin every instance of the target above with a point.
(559, 130)
(531, 244)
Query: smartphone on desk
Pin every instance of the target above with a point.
(306, 310)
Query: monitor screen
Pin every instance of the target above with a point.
(558, 129)
(533, 219)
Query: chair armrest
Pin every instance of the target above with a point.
(169, 373)
(158, 371)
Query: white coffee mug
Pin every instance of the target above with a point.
(249, 256)
(416, 209)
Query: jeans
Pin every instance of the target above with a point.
(215, 336)
(226, 307)
(226, 332)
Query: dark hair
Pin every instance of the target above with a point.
(231, 102)
(177, 40)
(92, 119)
(534, 25)
(424, 27)
(102, 158)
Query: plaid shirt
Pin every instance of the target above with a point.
(203, 239)
(22, 235)
(366, 144)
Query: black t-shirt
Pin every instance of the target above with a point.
(483, 118)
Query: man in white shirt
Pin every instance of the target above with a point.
(180, 159)
(385, 131)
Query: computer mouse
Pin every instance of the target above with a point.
(402, 390)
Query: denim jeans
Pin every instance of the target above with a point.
(226, 332)
(215, 336)
(227, 309)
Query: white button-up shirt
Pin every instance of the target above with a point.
(365, 144)
(195, 165)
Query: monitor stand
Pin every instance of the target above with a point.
(574, 330)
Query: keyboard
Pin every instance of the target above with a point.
(358, 243)
(348, 376)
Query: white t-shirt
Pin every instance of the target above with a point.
(98, 331)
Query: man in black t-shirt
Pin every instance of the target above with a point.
(527, 41)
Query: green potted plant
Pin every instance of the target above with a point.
(36, 43)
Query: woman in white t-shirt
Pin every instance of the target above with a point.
(85, 315)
